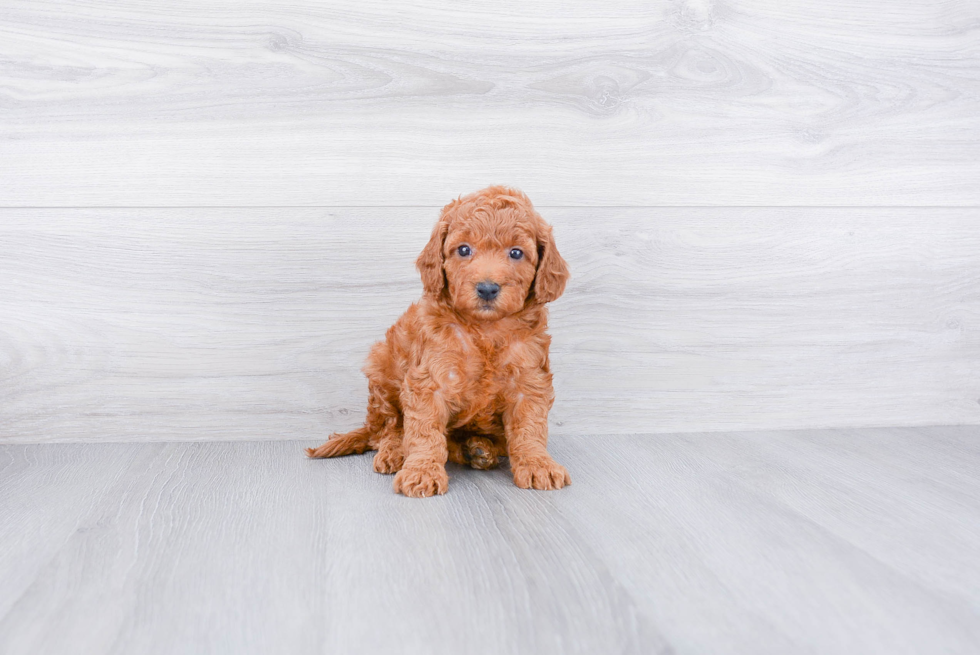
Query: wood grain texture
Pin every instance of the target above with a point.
(857, 541)
(230, 324)
(669, 102)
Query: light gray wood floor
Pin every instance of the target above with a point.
(844, 541)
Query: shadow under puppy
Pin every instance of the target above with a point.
(463, 375)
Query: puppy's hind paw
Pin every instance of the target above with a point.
(388, 460)
(420, 480)
(480, 453)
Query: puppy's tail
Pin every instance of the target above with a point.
(343, 444)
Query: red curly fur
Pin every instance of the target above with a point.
(461, 377)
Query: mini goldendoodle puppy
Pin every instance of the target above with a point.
(463, 374)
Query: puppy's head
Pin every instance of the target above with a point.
(490, 254)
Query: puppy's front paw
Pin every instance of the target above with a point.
(421, 479)
(539, 473)
(388, 460)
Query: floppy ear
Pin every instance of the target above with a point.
(549, 282)
(430, 260)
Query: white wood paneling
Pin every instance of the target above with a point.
(847, 541)
(680, 102)
(194, 324)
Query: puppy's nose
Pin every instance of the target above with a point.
(487, 290)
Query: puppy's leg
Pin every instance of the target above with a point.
(532, 466)
(391, 455)
(426, 415)
(526, 427)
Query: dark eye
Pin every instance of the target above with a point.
(516, 253)
(464, 251)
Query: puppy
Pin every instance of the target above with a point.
(463, 374)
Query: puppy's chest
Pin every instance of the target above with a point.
(491, 370)
(490, 373)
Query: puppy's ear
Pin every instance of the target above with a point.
(430, 260)
(549, 282)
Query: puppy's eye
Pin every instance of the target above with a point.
(516, 253)
(464, 251)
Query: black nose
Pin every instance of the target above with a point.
(487, 290)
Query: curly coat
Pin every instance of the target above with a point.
(463, 375)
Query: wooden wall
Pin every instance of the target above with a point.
(127, 324)
(208, 211)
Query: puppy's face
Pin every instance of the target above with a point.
(490, 259)
(490, 254)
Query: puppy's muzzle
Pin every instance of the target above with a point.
(487, 290)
